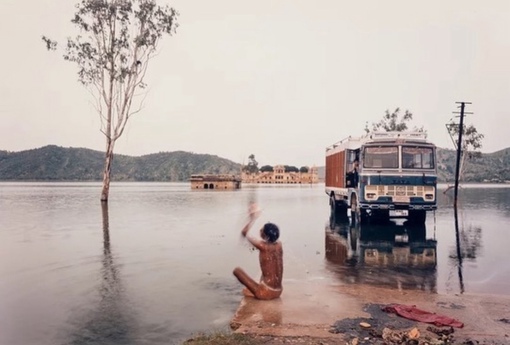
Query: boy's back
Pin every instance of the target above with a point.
(271, 264)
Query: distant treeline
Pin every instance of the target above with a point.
(54, 163)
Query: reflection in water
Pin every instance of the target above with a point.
(109, 322)
(391, 254)
(468, 240)
(178, 282)
(260, 310)
(459, 251)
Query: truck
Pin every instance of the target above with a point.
(382, 175)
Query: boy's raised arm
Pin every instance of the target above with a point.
(254, 213)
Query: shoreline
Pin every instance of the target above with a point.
(309, 311)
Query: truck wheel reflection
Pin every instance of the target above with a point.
(390, 254)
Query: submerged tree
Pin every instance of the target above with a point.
(117, 40)
(393, 122)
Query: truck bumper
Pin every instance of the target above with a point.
(379, 206)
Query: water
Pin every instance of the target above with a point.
(156, 266)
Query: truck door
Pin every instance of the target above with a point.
(352, 173)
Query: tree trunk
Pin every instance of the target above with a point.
(106, 228)
(107, 170)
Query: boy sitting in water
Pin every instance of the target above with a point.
(270, 257)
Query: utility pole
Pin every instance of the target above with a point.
(459, 149)
(457, 172)
(459, 251)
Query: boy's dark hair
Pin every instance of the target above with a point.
(271, 231)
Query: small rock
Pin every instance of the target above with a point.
(414, 333)
(365, 325)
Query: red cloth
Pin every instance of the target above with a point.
(413, 313)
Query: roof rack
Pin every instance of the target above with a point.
(342, 142)
(378, 136)
(397, 135)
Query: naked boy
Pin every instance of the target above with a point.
(270, 257)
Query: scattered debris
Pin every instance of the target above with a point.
(392, 336)
(440, 331)
(385, 328)
(450, 305)
(414, 333)
(357, 327)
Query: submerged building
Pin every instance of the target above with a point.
(279, 175)
(211, 181)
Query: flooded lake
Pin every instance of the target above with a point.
(156, 266)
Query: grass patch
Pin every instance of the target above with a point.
(222, 338)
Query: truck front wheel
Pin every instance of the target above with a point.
(358, 215)
(417, 216)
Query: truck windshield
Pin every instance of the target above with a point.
(417, 157)
(385, 157)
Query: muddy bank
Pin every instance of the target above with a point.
(340, 314)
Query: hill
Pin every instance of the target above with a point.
(54, 163)
(489, 167)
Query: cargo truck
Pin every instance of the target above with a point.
(382, 175)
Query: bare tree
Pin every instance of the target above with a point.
(393, 122)
(117, 40)
(471, 139)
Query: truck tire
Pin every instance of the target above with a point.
(354, 232)
(416, 232)
(358, 215)
(417, 216)
(338, 208)
(381, 216)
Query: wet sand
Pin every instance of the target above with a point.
(311, 308)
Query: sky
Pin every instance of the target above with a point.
(280, 79)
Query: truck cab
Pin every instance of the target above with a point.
(382, 175)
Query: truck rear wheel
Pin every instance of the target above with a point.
(338, 208)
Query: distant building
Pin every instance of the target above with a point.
(278, 175)
(210, 181)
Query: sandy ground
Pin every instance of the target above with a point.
(307, 312)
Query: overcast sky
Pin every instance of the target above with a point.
(281, 79)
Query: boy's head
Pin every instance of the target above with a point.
(270, 232)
